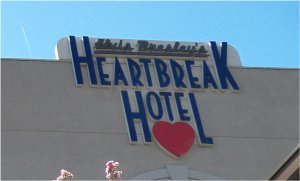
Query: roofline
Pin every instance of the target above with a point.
(68, 60)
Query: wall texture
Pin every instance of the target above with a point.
(48, 124)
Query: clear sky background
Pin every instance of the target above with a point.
(266, 34)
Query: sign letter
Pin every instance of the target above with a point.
(132, 116)
(221, 65)
(77, 60)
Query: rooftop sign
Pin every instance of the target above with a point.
(146, 48)
(158, 81)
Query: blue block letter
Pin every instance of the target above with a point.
(88, 59)
(132, 116)
(178, 74)
(221, 65)
(159, 114)
(208, 77)
(181, 111)
(192, 79)
(135, 72)
(119, 74)
(162, 74)
(203, 139)
(102, 75)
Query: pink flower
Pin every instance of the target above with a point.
(119, 173)
(64, 175)
(111, 170)
(110, 163)
(115, 164)
(59, 178)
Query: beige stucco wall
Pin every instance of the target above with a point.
(47, 123)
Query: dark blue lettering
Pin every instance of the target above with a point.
(159, 114)
(132, 116)
(178, 74)
(135, 72)
(181, 111)
(208, 77)
(119, 74)
(100, 70)
(162, 74)
(221, 65)
(203, 139)
(192, 79)
(77, 60)
(166, 95)
(147, 71)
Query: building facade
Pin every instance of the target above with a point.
(160, 114)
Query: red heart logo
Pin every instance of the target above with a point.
(176, 139)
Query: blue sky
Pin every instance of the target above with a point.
(266, 34)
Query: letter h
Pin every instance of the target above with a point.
(77, 60)
(132, 116)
